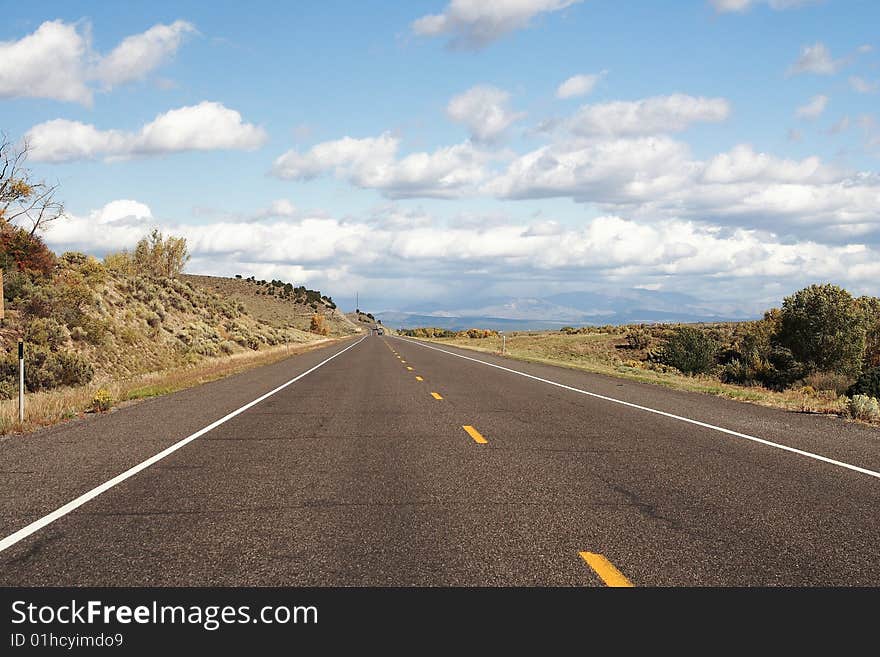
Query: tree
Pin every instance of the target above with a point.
(24, 200)
(689, 350)
(160, 256)
(824, 328)
(871, 310)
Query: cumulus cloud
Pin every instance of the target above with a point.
(579, 85)
(202, 127)
(473, 24)
(815, 59)
(483, 109)
(740, 6)
(373, 162)
(46, 64)
(660, 114)
(334, 254)
(57, 61)
(813, 109)
(138, 55)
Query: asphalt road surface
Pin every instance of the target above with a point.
(397, 462)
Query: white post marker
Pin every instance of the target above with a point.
(20, 381)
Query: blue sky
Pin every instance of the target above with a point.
(724, 148)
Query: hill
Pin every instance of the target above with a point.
(88, 324)
(276, 303)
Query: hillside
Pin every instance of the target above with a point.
(90, 325)
(280, 305)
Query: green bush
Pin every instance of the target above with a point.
(824, 329)
(47, 332)
(863, 407)
(227, 347)
(73, 369)
(689, 350)
(868, 383)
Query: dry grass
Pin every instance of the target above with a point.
(47, 408)
(605, 353)
(275, 311)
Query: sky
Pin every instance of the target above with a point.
(442, 152)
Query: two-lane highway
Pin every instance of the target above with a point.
(387, 461)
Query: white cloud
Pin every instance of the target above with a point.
(138, 55)
(474, 24)
(739, 6)
(815, 59)
(863, 86)
(46, 64)
(647, 116)
(206, 126)
(579, 85)
(373, 163)
(813, 109)
(483, 109)
(57, 61)
(407, 253)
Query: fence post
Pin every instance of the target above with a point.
(20, 381)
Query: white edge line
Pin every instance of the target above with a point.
(60, 512)
(818, 457)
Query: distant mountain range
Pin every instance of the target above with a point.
(620, 306)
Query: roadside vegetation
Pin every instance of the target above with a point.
(99, 332)
(819, 352)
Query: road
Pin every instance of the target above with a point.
(386, 461)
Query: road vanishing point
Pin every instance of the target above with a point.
(385, 461)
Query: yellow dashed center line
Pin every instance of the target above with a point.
(436, 395)
(409, 368)
(476, 435)
(418, 378)
(605, 570)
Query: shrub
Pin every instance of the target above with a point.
(689, 350)
(317, 325)
(868, 383)
(638, 339)
(73, 369)
(102, 401)
(46, 331)
(153, 320)
(28, 253)
(862, 407)
(158, 256)
(823, 327)
(783, 369)
(227, 347)
(836, 383)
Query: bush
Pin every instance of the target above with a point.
(102, 401)
(862, 407)
(689, 350)
(783, 369)
(227, 347)
(867, 384)
(73, 369)
(47, 332)
(638, 339)
(26, 252)
(836, 383)
(824, 328)
(317, 325)
(158, 256)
